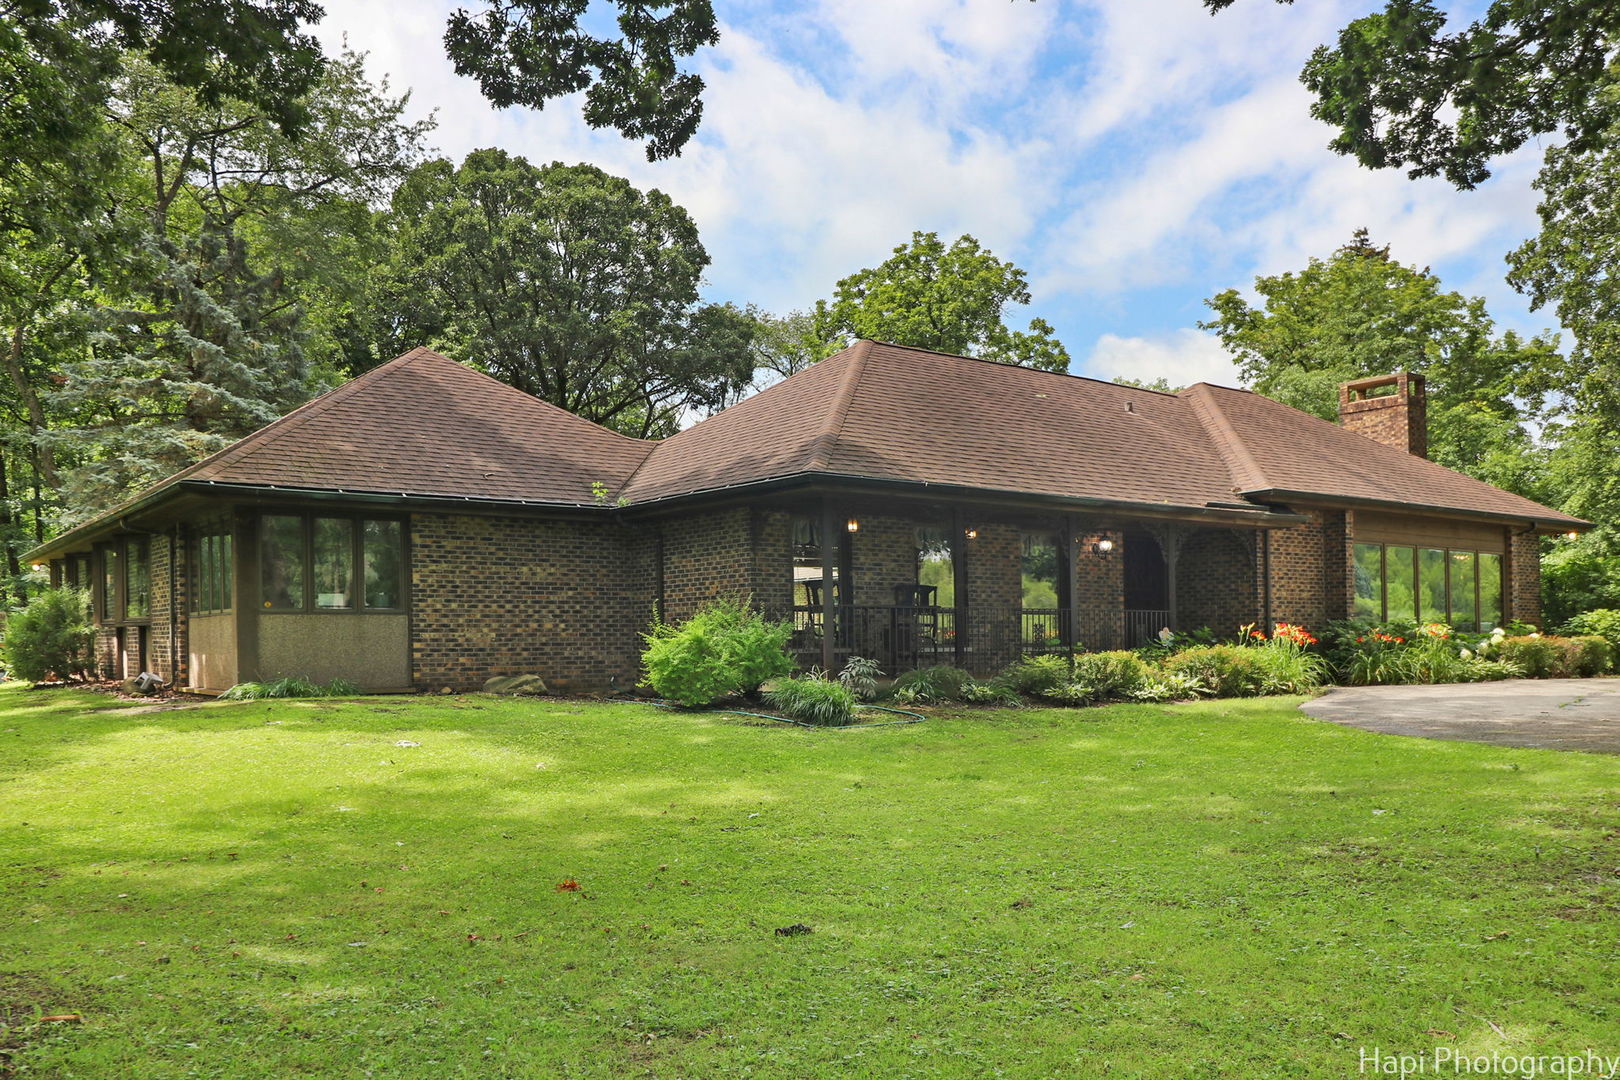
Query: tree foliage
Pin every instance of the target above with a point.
(1361, 313)
(1405, 90)
(526, 52)
(948, 299)
(566, 282)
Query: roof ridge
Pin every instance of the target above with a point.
(1246, 472)
(822, 449)
(1017, 367)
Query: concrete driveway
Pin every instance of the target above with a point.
(1553, 714)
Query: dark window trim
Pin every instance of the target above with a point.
(110, 610)
(1417, 581)
(357, 566)
(225, 528)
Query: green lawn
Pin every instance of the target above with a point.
(283, 889)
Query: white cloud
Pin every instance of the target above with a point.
(1182, 357)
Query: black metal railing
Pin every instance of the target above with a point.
(981, 639)
(1142, 625)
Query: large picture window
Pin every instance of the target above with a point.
(324, 562)
(1463, 588)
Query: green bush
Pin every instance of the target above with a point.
(860, 676)
(1222, 670)
(1476, 669)
(725, 648)
(933, 685)
(1111, 675)
(291, 687)
(1587, 656)
(813, 700)
(1540, 657)
(1035, 676)
(51, 636)
(1603, 622)
(1165, 686)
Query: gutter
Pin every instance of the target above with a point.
(1560, 524)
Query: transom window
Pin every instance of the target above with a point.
(1429, 584)
(318, 562)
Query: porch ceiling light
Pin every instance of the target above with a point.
(853, 525)
(1102, 547)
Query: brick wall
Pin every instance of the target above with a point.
(165, 657)
(707, 555)
(1216, 582)
(1309, 568)
(1100, 589)
(1523, 574)
(565, 600)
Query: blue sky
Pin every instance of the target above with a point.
(1135, 156)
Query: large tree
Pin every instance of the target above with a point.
(220, 231)
(1360, 313)
(566, 282)
(947, 298)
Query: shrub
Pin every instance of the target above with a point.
(933, 685)
(1286, 660)
(51, 636)
(860, 677)
(1540, 657)
(1035, 676)
(1166, 686)
(1585, 656)
(989, 693)
(1477, 669)
(1111, 674)
(725, 648)
(1603, 622)
(1222, 670)
(291, 687)
(813, 700)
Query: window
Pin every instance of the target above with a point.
(330, 563)
(334, 563)
(1432, 580)
(1400, 583)
(1490, 590)
(137, 580)
(213, 570)
(124, 589)
(1369, 581)
(1464, 594)
(384, 558)
(282, 560)
(1462, 588)
(1039, 563)
(936, 565)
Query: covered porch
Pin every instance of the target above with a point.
(912, 584)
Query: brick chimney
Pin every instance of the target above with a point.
(1392, 409)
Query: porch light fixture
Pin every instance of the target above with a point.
(1572, 535)
(1102, 547)
(971, 534)
(853, 525)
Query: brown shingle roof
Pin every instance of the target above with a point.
(1279, 452)
(425, 425)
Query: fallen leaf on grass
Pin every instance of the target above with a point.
(569, 885)
(62, 1018)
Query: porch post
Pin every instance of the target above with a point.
(1070, 619)
(959, 582)
(829, 568)
(1170, 539)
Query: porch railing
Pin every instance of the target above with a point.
(1142, 625)
(982, 639)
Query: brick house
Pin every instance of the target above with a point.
(424, 526)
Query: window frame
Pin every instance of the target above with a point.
(224, 533)
(113, 610)
(357, 584)
(1448, 555)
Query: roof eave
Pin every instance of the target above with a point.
(1561, 523)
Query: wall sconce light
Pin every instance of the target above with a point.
(38, 566)
(1572, 536)
(853, 525)
(971, 534)
(1102, 547)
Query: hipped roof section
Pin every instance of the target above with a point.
(426, 427)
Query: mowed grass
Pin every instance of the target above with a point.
(279, 889)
